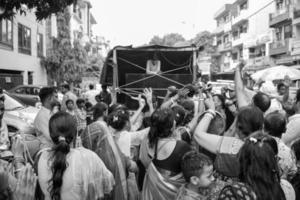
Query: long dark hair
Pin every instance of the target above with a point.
(162, 121)
(259, 168)
(118, 119)
(250, 119)
(62, 127)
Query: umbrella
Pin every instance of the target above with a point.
(276, 73)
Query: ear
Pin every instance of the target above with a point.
(194, 180)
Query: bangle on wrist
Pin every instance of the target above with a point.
(210, 115)
(212, 112)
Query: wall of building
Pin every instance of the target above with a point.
(13, 60)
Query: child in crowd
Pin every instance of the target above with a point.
(70, 107)
(197, 170)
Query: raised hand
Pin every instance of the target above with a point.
(148, 94)
(141, 101)
(26, 184)
(17, 146)
(209, 103)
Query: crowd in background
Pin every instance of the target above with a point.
(195, 144)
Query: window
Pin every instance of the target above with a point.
(6, 31)
(288, 31)
(30, 78)
(235, 35)
(279, 4)
(226, 39)
(20, 91)
(278, 33)
(24, 36)
(244, 6)
(244, 28)
(74, 8)
(234, 56)
(40, 47)
(79, 14)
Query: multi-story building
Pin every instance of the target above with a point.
(285, 49)
(82, 21)
(243, 33)
(22, 44)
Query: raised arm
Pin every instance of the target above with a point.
(149, 96)
(181, 93)
(239, 87)
(208, 141)
(136, 114)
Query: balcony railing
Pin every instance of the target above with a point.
(295, 47)
(259, 61)
(219, 29)
(280, 16)
(225, 47)
(243, 15)
(240, 39)
(279, 47)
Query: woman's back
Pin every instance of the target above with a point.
(85, 172)
(169, 155)
(97, 138)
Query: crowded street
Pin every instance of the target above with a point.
(105, 102)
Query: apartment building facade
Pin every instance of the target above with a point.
(22, 44)
(81, 23)
(285, 20)
(243, 33)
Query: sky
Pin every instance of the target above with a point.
(135, 22)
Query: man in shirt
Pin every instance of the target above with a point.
(293, 127)
(4, 141)
(48, 96)
(91, 95)
(67, 95)
(105, 96)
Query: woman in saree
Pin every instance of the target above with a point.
(249, 120)
(98, 138)
(71, 174)
(161, 155)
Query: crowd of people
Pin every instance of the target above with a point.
(193, 145)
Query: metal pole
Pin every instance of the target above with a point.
(194, 66)
(115, 76)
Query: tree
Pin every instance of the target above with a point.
(156, 40)
(167, 40)
(206, 40)
(43, 8)
(65, 62)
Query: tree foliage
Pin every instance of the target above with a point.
(43, 8)
(167, 40)
(204, 39)
(65, 62)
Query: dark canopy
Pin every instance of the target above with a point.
(176, 65)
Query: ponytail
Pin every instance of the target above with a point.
(62, 128)
(58, 168)
(162, 122)
(152, 136)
